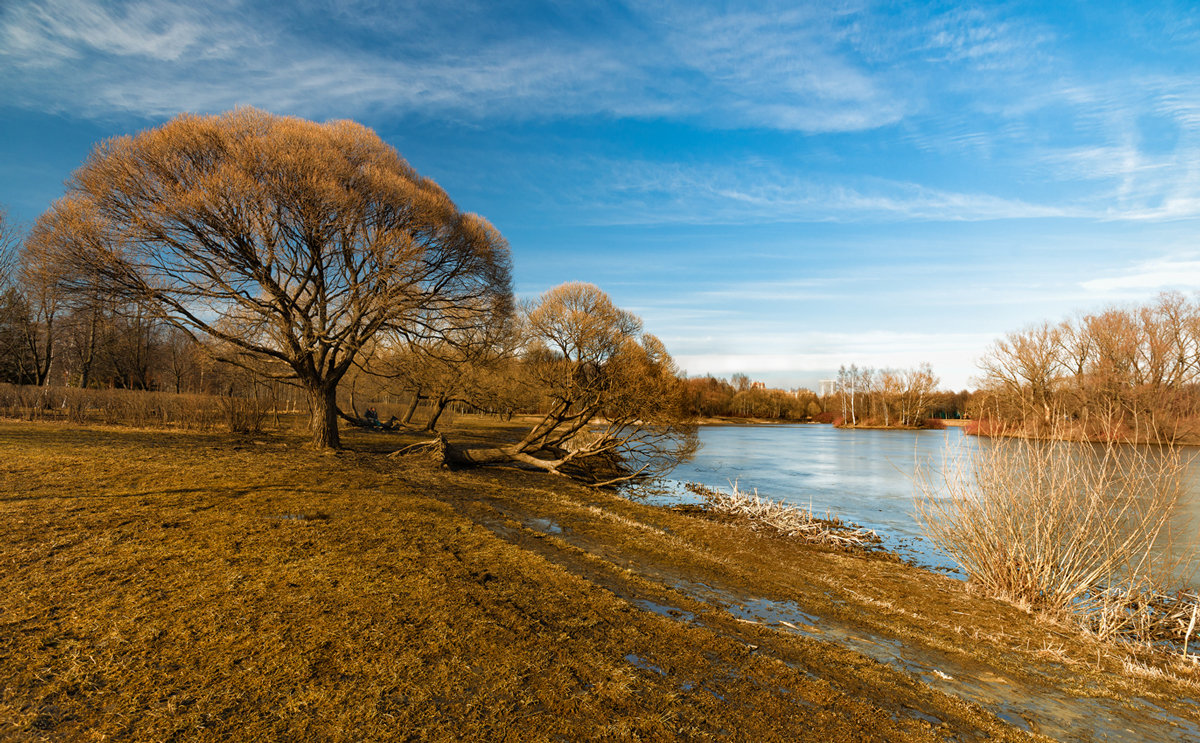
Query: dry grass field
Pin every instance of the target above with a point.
(162, 585)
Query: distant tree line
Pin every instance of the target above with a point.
(860, 396)
(902, 398)
(1131, 371)
(712, 397)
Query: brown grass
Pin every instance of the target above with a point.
(198, 586)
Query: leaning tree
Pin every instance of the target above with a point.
(615, 407)
(293, 243)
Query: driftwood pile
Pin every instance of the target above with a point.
(783, 519)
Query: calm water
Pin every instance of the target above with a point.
(862, 476)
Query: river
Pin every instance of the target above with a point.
(862, 476)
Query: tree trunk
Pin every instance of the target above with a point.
(85, 371)
(324, 417)
(438, 408)
(498, 455)
(412, 408)
(41, 362)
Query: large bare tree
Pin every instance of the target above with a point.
(292, 242)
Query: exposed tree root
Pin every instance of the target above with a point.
(434, 448)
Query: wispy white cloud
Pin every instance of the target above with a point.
(814, 68)
(61, 32)
(985, 40)
(792, 67)
(1139, 278)
(759, 192)
(152, 60)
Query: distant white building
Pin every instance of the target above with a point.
(828, 387)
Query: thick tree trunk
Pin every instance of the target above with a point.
(324, 417)
(499, 455)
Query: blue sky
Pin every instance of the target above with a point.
(776, 189)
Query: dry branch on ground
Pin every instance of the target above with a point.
(783, 518)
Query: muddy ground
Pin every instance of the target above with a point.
(190, 586)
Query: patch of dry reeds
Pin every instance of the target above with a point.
(137, 408)
(783, 519)
(1076, 531)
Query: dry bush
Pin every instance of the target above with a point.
(243, 414)
(1081, 532)
(782, 518)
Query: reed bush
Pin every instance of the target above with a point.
(1081, 532)
(138, 408)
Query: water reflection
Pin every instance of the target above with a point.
(864, 476)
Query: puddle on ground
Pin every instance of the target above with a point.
(664, 610)
(545, 526)
(644, 664)
(1039, 709)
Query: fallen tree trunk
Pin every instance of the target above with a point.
(598, 469)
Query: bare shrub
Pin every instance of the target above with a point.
(782, 518)
(244, 414)
(1080, 532)
(199, 412)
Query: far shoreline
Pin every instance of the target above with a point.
(736, 421)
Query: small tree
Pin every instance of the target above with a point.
(38, 277)
(292, 242)
(14, 311)
(8, 250)
(457, 364)
(616, 408)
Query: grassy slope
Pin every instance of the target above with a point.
(153, 588)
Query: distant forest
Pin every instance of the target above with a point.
(859, 397)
